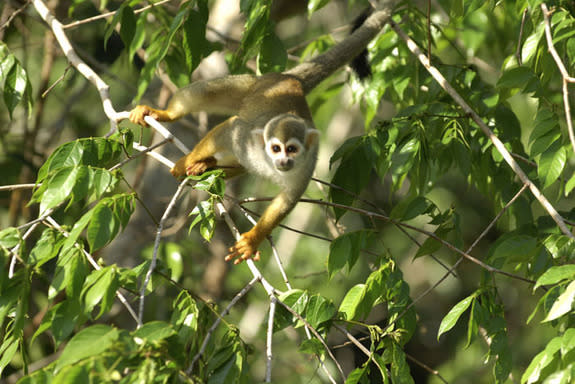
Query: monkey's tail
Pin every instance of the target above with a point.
(312, 72)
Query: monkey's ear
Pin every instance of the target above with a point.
(258, 135)
(311, 138)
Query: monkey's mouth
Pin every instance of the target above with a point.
(283, 164)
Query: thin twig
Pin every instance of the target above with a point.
(159, 229)
(269, 339)
(274, 249)
(14, 187)
(153, 123)
(447, 244)
(566, 79)
(14, 251)
(447, 87)
(140, 153)
(477, 240)
(110, 14)
(212, 329)
(520, 38)
(272, 292)
(14, 14)
(360, 346)
(402, 230)
(154, 155)
(78, 63)
(426, 367)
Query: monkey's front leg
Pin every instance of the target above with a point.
(139, 112)
(247, 246)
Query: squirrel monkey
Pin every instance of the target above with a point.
(270, 133)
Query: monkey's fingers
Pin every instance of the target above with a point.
(138, 114)
(254, 257)
(243, 250)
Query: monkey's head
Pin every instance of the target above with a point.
(288, 138)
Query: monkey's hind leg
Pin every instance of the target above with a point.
(190, 165)
(211, 152)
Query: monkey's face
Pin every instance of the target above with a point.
(284, 154)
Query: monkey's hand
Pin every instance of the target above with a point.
(139, 112)
(246, 247)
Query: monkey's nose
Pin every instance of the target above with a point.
(283, 164)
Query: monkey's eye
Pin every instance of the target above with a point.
(292, 149)
(276, 148)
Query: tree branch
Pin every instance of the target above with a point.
(442, 81)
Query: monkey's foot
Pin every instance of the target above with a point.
(139, 112)
(186, 166)
(199, 167)
(245, 248)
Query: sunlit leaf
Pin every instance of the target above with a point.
(454, 314)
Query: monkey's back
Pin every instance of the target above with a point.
(271, 95)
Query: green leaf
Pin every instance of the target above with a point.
(429, 246)
(257, 23)
(295, 299)
(351, 302)
(319, 310)
(46, 248)
(65, 319)
(205, 216)
(138, 39)
(58, 188)
(354, 171)
(185, 317)
(357, 375)
(563, 304)
(154, 331)
(543, 359)
(551, 164)
(346, 249)
(312, 347)
(454, 314)
(403, 159)
(555, 275)
(8, 349)
(9, 237)
(89, 342)
(514, 249)
(568, 341)
(516, 77)
(399, 368)
(273, 55)
(411, 208)
(102, 228)
(194, 42)
(73, 374)
(127, 24)
(559, 245)
(16, 87)
(71, 269)
(100, 287)
(570, 184)
(211, 182)
(67, 155)
(7, 60)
